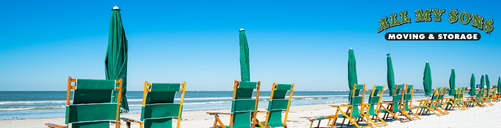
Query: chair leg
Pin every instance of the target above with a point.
(128, 124)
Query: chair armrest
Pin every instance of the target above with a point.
(130, 120)
(217, 113)
(341, 105)
(55, 125)
(421, 100)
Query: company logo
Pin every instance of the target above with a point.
(464, 18)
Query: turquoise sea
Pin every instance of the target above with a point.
(46, 104)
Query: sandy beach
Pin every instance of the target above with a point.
(474, 117)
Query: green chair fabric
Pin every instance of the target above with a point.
(243, 105)
(374, 100)
(277, 105)
(159, 108)
(408, 97)
(92, 104)
(356, 101)
(396, 99)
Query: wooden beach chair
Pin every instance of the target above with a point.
(489, 97)
(277, 105)
(394, 107)
(428, 105)
(373, 105)
(158, 107)
(476, 100)
(243, 107)
(454, 102)
(353, 112)
(408, 94)
(494, 96)
(440, 102)
(460, 99)
(92, 104)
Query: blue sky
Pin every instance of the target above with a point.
(301, 42)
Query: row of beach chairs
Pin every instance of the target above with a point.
(94, 106)
(374, 112)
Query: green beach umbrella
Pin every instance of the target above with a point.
(482, 82)
(390, 77)
(472, 86)
(452, 83)
(244, 57)
(487, 82)
(352, 69)
(116, 55)
(427, 79)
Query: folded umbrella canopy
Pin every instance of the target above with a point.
(352, 71)
(472, 86)
(482, 82)
(452, 83)
(427, 80)
(244, 56)
(487, 82)
(116, 55)
(390, 77)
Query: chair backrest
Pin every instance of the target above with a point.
(159, 108)
(92, 103)
(461, 95)
(435, 95)
(357, 99)
(375, 99)
(409, 90)
(397, 96)
(479, 92)
(441, 93)
(243, 105)
(278, 103)
(376, 95)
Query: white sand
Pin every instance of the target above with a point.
(474, 117)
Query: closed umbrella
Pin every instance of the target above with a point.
(390, 77)
(244, 56)
(472, 86)
(116, 55)
(487, 82)
(482, 82)
(452, 83)
(352, 71)
(427, 79)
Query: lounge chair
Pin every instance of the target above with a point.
(408, 94)
(461, 99)
(277, 105)
(494, 97)
(428, 105)
(440, 102)
(489, 97)
(476, 100)
(92, 104)
(159, 108)
(373, 105)
(394, 106)
(454, 102)
(353, 111)
(243, 107)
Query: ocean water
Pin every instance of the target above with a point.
(46, 104)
